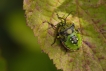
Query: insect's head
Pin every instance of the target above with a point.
(62, 24)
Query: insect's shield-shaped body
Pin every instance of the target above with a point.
(67, 34)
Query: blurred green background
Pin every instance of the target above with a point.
(19, 50)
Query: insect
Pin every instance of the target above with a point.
(66, 34)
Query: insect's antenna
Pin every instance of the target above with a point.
(68, 14)
(59, 17)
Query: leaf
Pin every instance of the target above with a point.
(88, 15)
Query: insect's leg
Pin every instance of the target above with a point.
(63, 46)
(55, 39)
(56, 34)
(53, 26)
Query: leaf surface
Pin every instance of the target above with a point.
(88, 15)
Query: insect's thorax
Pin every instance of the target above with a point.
(68, 31)
(63, 28)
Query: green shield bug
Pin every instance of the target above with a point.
(66, 33)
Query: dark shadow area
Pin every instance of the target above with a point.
(18, 46)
